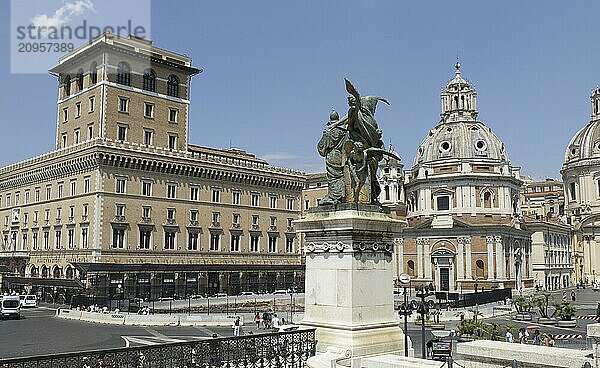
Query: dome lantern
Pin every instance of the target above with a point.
(459, 99)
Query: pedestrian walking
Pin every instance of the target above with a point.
(275, 321)
(573, 295)
(523, 336)
(257, 320)
(536, 338)
(236, 326)
(508, 336)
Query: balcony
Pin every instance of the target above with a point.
(235, 226)
(71, 219)
(254, 227)
(119, 218)
(194, 223)
(84, 218)
(216, 224)
(273, 228)
(146, 220)
(171, 221)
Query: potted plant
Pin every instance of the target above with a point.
(523, 306)
(542, 301)
(565, 312)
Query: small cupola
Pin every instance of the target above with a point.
(459, 100)
(595, 97)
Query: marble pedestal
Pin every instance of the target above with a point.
(349, 279)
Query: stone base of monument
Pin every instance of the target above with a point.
(349, 280)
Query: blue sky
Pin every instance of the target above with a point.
(274, 69)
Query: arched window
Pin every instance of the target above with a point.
(387, 192)
(34, 271)
(410, 265)
(44, 271)
(79, 80)
(149, 80)
(94, 73)
(479, 269)
(67, 85)
(487, 200)
(173, 86)
(69, 272)
(124, 73)
(56, 273)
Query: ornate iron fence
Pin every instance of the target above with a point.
(274, 350)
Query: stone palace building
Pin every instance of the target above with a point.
(126, 207)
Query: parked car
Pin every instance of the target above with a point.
(29, 301)
(165, 299)
(10, 307)
(220, 295)
(197, 296)
(247, 293)
(280, 292)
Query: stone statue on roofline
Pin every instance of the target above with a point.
(352, 148)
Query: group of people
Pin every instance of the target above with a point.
(268, 320)
(523, 336)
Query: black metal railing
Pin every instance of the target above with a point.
(274, 350)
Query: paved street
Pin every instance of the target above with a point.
(39, 332)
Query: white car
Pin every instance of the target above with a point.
(29, 301)
(247, 293)
(280, 292)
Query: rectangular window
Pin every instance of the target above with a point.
(254, 243)
(76, 136)
(290, 203)
(86, 185)
(171, 193)
(46, 240)
(17, 198)
(145, 235)
(57, 239)
(122, 133)
(289, 245)
(572, 193)
(254, 199)
(172, 115)
(235, 243)
(192, 241)
(118, 238)
(148, 110)
(34, 241)
(290, 223)
(120, 186)
(172, 141)
(47, 215)
(216, 195)
(84, 238)
(272, 244)
(194, 191)
(58, 213)
(443, 203)
(60, 190)
(73, 187)
(119, 210)
(235, 219)
(71, 213)
(92, 103)
(78, 109)
(24, 244)
(146, 213)
(255, 220)
(146, 188)
(64, 140)
(272, 202)
(215, 241)
(170, 239)
(8, 200)
(35, 216)
(71, 238)
(85, 211)
(148, 137)
(235, 197)
(216, 219)
(171, 214)
(65, 114)
(90, 131)
(37, 194)
(193, 215)
(273, 221)
(123, 104)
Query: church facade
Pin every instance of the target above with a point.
(465, 230)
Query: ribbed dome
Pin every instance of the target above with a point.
(585, 144)
(463, 140)
(459, 135)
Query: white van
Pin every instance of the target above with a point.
(11, 307)
(28, 301)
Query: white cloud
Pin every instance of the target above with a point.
(275, 156)
(63, 14)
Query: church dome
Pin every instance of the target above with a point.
(459, 135)
(586, 142)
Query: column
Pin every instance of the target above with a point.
(460, 258)
(427, 259)
(511, 263)
(399, 242)
(468, 259)
(420, 258)
(499, 258)
(490, 256)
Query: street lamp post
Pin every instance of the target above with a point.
(423, 292)
(405, 309)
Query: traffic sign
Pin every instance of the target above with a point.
(404, 278)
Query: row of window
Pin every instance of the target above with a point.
(16, 216)
(45, 243)
(170, 241)
(149, 110)
(124, 78)
(194, 194)
(37, 195)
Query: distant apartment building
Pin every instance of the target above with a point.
(543, 199)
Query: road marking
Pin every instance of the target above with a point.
(154, 340)
(204, 330)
